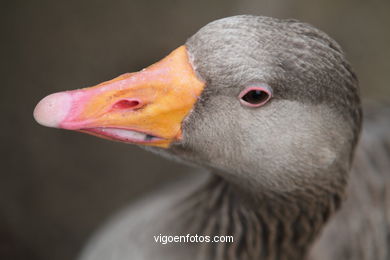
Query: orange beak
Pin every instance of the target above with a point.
(146, 107)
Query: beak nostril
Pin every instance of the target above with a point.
(127, 104)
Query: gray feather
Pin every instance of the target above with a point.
(278, 173)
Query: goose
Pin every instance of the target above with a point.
(270, 109)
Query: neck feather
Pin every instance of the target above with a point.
(264, 225)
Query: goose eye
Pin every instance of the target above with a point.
(255, 96)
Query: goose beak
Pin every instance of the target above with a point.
(146, 107)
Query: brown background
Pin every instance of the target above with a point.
(57, 186)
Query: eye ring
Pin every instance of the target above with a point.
(255, 96)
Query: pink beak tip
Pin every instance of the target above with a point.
(53, 109)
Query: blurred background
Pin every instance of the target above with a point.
(57, 187)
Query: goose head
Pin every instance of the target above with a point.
(260, 101)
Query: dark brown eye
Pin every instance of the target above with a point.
(255, 96)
